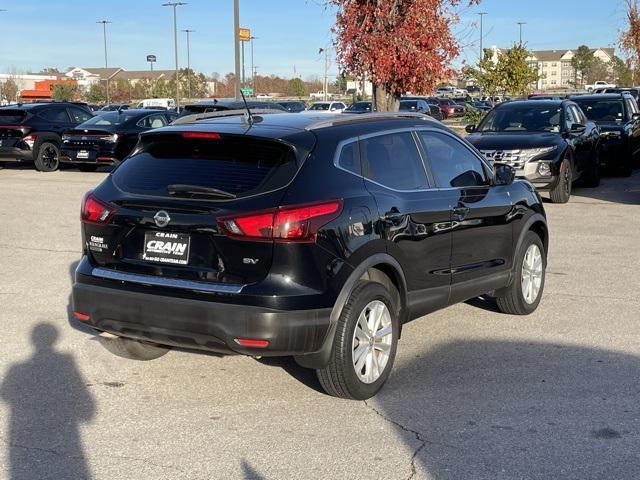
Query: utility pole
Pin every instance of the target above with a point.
(175, 46)
(325, 83)
(253, 70)
(187, 31)
(236, 41)
(482, 14)
(106, 62)
(520, 24)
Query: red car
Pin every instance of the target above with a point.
(450, 108)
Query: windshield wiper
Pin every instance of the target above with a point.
(198, 190)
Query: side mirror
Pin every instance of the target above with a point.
(577, 128)
(503, 174)
(470, 128)
(333, 109)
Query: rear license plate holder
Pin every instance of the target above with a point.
(82, 155)
(166, 247)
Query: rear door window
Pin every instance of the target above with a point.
(452, 163)
(56, 115)
(78, 115)
(349, 158)
(153, 121)
(393, 160)
(237, 165)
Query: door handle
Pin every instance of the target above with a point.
(460, 212)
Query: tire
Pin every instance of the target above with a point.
(133, 349)
(592, 176)
(561, 192)
(513, 300)
(87, 167)
(48, 158)
(341, 377)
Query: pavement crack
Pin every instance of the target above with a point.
(38, 249)
(111, 455)
(418, 436)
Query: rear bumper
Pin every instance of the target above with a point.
(16, 154)
(101, 156)
(199, 324)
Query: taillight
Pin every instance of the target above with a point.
(110, 138)
(29, 140)
(94, 210)
(298, 223)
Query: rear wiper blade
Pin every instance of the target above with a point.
(177, 188)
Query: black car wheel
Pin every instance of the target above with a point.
(364, 345)
(523, 296)
(48, 158)
(561, 192)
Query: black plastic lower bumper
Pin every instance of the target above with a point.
(13, 154)
(201, 324)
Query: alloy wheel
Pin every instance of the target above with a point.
(372, 340)
(531, 278)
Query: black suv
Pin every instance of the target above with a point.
(32, 132)
(316, 236)
(549, 142)
(618, 117)
(108, 138)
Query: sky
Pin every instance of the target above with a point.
(64, 33)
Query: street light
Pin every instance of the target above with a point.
(175, 46)
(187, 31)
(253, 69)
(236, 43)
(520, 24)
(106, 62)
(482, 14)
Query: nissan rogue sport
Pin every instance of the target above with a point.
(312, 236)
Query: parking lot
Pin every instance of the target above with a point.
(473, 394)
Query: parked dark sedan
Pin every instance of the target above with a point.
(358, 107)
(618, 117)
(434, 110)
(421, 106)
(293, 106)
(549, 142)
(227, 104)
(107, 139)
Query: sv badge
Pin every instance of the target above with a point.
(250, 261)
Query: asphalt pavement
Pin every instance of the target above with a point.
(474, 394)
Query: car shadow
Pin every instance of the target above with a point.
(488, 409)
(48, 400)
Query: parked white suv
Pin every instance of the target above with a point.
(327, 107)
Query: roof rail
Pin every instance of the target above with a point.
(346, 119)
(196, 117)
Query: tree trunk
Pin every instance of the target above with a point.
(384, 101)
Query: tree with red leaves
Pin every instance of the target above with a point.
(630, 38)
(400, 45)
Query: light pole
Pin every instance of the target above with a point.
(253, 69)
(236, 42)
(520, 24)
(482, 14)
(187, 31)
(106, 62)
(175, 46)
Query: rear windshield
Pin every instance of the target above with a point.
(114, 118)
(237, 165)
(602, 110)
(8, 117)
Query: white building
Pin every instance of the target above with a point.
(357, 86)
(88, 76)
(554, 66)
(25, 81)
